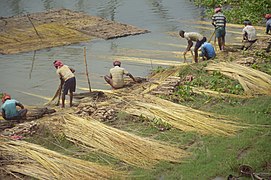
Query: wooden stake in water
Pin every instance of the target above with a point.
(85, 60)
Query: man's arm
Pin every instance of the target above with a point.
(245, 35)
(190, 44)
(20, 105)
(213, 21)
(72, 70)
(4, 114)
(131, 76)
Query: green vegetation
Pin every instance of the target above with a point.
(221, 156)
(238, 11)
(214, 81)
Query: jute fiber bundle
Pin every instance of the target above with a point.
(181, 117)
(254, 82)
(132, 149)
(35, 161)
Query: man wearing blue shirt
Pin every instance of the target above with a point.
(9, 111)
(207, 51)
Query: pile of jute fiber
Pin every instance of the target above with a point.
(181, 117)
(35, 161)
(132, 149)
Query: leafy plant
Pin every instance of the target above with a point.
(237, 11)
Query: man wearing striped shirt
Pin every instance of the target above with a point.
(219, 22)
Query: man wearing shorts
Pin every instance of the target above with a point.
(219, 22)
(67, 78)
(9, 111)
(190, 37)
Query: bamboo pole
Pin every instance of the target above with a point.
(28, 16)
(32, 65)
(211, 37)
(85, 60)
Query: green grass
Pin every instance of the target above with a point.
(221, 156)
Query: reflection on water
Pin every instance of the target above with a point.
(33, 72)
(108, 10)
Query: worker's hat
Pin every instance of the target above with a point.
(217, 9)
(5, 97)
(58, 63)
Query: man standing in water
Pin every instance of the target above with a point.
(67, 78)
(190, 37)
(219, 22)
(115, 79)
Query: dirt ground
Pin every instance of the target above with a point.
(56, 28)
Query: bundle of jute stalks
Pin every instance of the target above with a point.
(254, 82)
(35, 161)
(181, 117)
(132, 149)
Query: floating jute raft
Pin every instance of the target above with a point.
(132, 149)
(35, 161)
(56, 28)
(182, 117)
(254, 82)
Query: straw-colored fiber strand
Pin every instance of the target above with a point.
(182, 117)
(253, 81)
(132, 149)
(184, 122)
(35, 161)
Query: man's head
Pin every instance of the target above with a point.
(116, 63)
(5, 97)
(247, 22)
(181, 33)
(58, 64)
(267, 16)
(218, 9)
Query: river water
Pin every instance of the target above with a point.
(20, 75)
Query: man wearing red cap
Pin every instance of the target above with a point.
(115, 79)
(219, 22)
(67, 78)
(9, 111)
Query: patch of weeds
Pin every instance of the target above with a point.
(159, 69)
(201, 78)
(160, 124)
(185, 92)
(261, 54)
